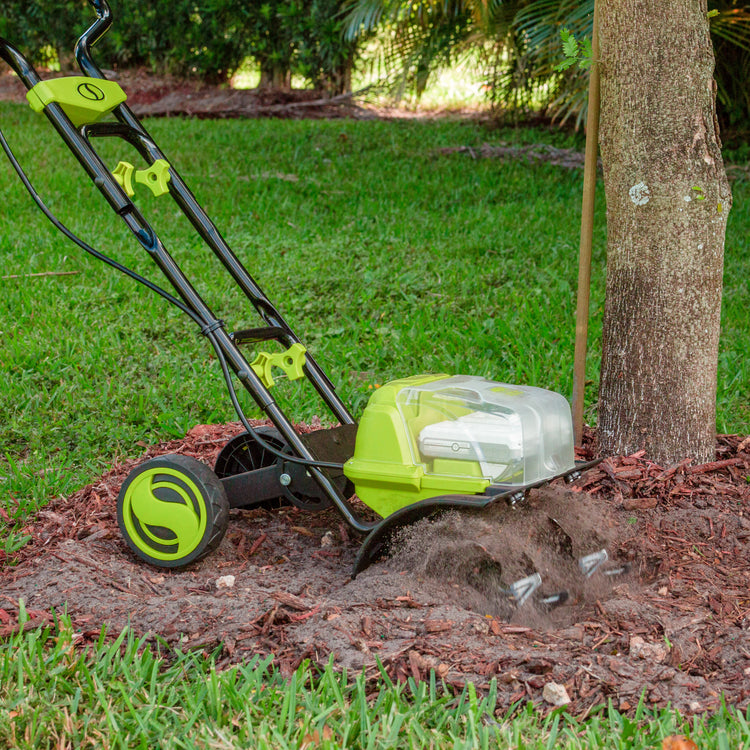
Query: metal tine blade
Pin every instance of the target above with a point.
(622, 570)
(589, 564)
(523, 588)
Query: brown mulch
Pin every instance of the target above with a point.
(151, 95)
(677, 627)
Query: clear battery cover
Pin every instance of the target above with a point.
(509, 434)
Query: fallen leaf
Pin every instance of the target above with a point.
(314, 739)
(678, 742)
(302, 530)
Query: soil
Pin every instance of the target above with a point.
(676, 625)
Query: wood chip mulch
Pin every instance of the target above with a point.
(680, 630)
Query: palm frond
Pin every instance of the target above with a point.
(732, 25)
(521, 47)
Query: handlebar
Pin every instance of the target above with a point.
(101, 7)
(22, 67)
(91, 36)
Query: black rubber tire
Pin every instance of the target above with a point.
(200, 508)
(242, 453)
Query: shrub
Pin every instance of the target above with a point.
(208, 39)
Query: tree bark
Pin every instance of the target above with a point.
(667, 204)
(275, 78)
(339, 80)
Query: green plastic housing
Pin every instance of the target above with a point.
(433, 435)
(84, 100)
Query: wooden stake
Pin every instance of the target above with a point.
(587, 233)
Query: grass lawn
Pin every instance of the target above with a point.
(389, 259)
(123, 694)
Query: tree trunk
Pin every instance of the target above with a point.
(339, 80)
(279, 79)
(667, 204)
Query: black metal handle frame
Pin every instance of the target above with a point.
(129, 128)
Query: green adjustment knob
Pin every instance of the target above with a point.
(155, 178)
(123, 173)
(291, 362)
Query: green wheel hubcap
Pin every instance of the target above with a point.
(164, 513)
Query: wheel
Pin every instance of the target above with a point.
(172, 510)
(243, 453)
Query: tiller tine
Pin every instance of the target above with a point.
(590, 564)
(523, 589)
(554, 600)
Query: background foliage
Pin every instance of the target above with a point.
(209, 39)
(517, 45)
(299, 36)
(514, 43)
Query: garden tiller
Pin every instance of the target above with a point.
(424, 444)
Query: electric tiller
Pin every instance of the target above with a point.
(424, 444)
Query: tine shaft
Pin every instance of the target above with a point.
(554, 599)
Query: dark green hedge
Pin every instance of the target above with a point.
(208, 39)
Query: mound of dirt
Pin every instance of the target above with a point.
(477, 556)
(676, 627)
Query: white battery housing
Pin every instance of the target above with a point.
(517, 435)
